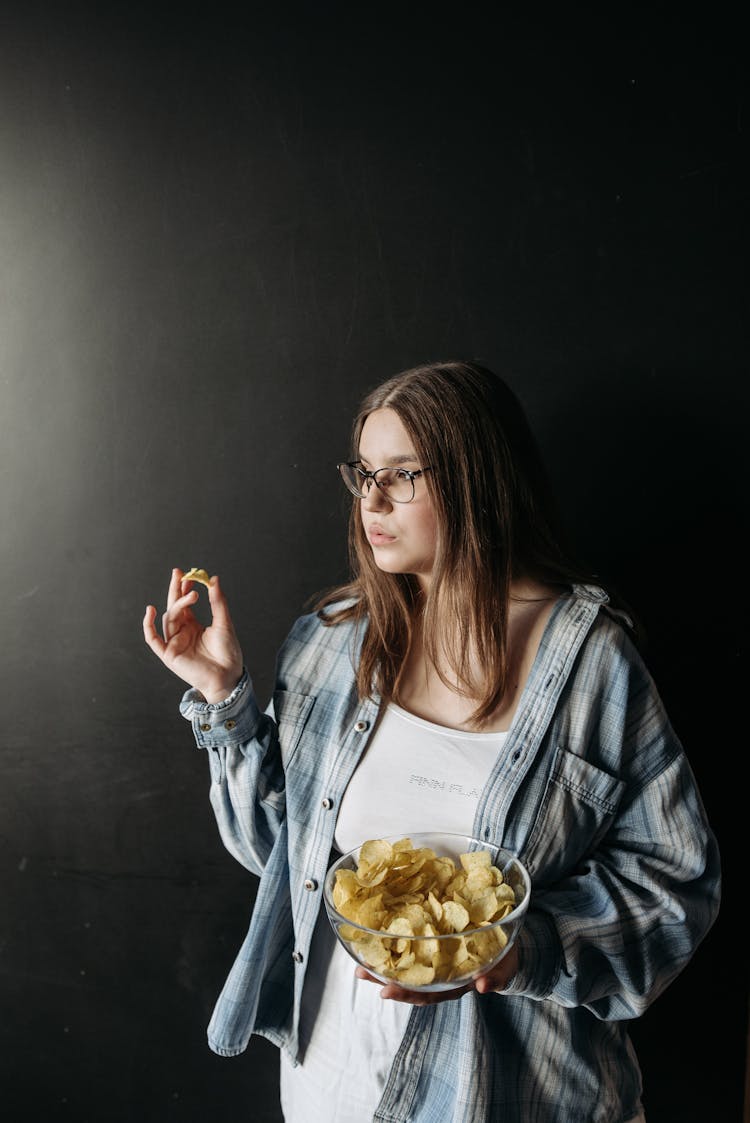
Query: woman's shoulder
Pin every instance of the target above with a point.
(610, 648)
(588, 635)
(613, 607)
(332, 627)
(316, 656)
(330, 614)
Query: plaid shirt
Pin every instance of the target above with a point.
(594, 793)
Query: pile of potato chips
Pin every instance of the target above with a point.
(413, 897)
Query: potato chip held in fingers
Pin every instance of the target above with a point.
(197, 575)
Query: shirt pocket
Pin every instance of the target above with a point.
(579, 803)
(291, 711)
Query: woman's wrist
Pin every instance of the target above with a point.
(221, 690)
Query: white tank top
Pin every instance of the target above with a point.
(414, 776)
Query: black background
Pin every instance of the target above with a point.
(217, 230)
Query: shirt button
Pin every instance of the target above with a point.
(327, 803)
(230, 723)
(361, 726)
(311, 884)
(205, 727)
(297, 956)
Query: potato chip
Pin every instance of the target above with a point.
(476, 859)
(197, 575)
(426, 950)
(486, 944)
(418, 975)
(505, 894)
(482, 908)
(405, 960)
(346, 887)
(434, 907)
(414, 914)
(371, 914)
(372, 950)
(400, 926)
(455, 917)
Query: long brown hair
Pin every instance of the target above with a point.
(496, 523)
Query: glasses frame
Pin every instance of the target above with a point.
(356, 465)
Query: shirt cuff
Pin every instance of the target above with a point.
(539, 958)
(233, 719)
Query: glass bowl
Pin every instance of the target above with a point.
(421, 915)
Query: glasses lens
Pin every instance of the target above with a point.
(353, 479)
(396, 484)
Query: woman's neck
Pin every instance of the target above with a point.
(431, 687)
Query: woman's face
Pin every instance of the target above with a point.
(403, 536)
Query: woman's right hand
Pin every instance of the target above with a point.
(208, 659)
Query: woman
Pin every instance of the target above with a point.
(469, 678)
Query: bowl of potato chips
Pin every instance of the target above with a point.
(428, 911)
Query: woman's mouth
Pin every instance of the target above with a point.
(377, 536)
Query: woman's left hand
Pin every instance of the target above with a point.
(493, 980)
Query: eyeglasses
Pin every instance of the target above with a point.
(397, 484)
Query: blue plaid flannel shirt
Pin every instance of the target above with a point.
(594, 793)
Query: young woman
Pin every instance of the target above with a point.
(470, 678)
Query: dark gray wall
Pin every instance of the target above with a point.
(215, 234)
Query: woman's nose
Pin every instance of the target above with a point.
(375, 500)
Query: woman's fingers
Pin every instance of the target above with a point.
(413, 997)
(174, 617)
(219, 608)
(422, 998)
(184, 642)
(175, 587)
(183, 593)
(169, 628)
(150, 634)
